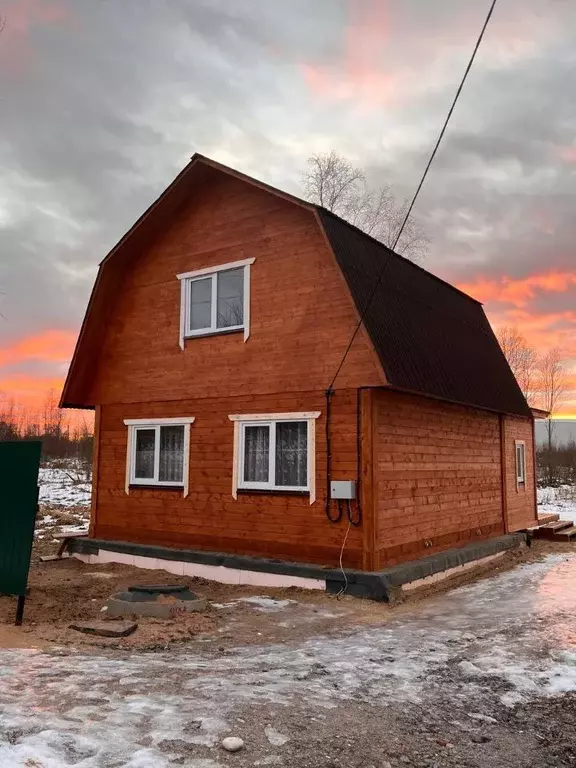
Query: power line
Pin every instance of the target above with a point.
(420, 185)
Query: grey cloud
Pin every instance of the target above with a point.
(113, 103)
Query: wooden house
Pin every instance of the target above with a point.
(208, 351)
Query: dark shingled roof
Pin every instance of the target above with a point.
(430, 337)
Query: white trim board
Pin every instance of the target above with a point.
(305, 416)
(217, 573)
(159, 422)
(219, 268)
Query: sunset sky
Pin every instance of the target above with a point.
(102, 102)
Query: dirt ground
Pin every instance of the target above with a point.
(483, 676)
(67, 591)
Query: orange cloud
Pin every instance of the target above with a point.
(52, 346)
(355, 74)
(519, 292)
(509, 301)
(29, 389)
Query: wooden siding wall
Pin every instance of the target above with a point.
(302, 315)
(521, 501)
(437, 476)
(265, 525)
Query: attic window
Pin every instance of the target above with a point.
(215, 300)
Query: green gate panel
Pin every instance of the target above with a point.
(19, 465)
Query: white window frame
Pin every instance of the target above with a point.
(243, 420)
(520, 466)
(186, 280)
(133, 426)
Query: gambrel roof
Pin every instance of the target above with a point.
(431, 338)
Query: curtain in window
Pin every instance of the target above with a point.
(171, 454)
(144, 464)
(200, 304)
(292, 453)
(256, 454)
(230, 291)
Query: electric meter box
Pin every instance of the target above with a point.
(343, 489)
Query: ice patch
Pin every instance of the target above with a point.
(275, 737)
(488, 634)
(264, 604)
(267, 604)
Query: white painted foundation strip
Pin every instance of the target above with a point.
(211, 572)
(456, 571)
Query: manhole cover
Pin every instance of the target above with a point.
(163, 601)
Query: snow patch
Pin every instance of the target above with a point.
(59, 488)
(507, 638)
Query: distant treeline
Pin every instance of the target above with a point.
(62, 436)
(556, 465)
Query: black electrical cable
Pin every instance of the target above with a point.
(356, 519)
(328, 394)
(420, 185)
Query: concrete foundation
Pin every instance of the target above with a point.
(386, 585)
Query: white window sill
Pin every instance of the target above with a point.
(275, 491)
(213, 332)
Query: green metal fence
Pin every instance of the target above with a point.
(19, 465)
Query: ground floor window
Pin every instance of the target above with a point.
(274, 452)
(158, 452)
(520, 463)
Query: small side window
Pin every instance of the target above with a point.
(520, 463)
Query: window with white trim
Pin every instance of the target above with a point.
(158, 452)
(275, 452)
(520, 462)
(215, 300)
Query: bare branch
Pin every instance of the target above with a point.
(522, 359)
(333, 182)
(552, 386)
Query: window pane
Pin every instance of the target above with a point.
(144, 468)
(230, 290)
(256, 454)
(171, 454)
(200, 303)
(520, 462)
(292, 453)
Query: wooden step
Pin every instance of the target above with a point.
(552, 530)
(566, 534)
(551, 517)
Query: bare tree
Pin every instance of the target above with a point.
(334, 183)
(522, 359)
(552, 388)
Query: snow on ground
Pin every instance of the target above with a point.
(558, 501)
(60, 487)
(488, 645)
